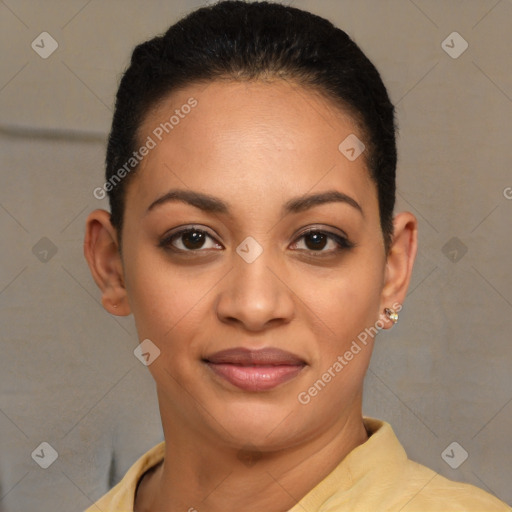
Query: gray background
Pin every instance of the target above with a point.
(67, 370)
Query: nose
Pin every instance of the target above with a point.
(255, 295)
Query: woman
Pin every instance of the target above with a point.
(251, 177)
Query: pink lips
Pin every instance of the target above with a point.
(255, 370)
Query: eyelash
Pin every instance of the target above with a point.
(342, 242)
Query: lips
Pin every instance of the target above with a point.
(255, 370)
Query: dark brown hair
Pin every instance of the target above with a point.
(247, 41)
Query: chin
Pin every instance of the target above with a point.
(266, 426)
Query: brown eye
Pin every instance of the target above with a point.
(189, 240)
(193, 239)
(315, 241)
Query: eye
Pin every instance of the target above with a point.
(190, 239)
(315, 241)
(194, 239)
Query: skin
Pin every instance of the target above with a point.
(255, 145)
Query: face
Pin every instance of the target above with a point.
(254, 265)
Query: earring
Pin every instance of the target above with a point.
(114, 306)
(391, 314)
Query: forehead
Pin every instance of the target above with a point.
(259, 139)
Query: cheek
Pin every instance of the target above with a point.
(169, 309)
(162, 298)
(350, 299)
(348, 307)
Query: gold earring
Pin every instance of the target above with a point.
(391, 314)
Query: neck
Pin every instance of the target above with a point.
(209, 477)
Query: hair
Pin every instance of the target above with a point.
(236, 40)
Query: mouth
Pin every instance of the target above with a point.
(255, 370)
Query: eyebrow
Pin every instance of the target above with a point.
(213, 204)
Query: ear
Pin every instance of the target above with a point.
(399, 264)
(101, 250)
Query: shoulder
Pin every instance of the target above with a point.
(378, 476)
(122, 496)
(428, 491)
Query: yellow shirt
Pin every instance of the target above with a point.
(376, 476)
